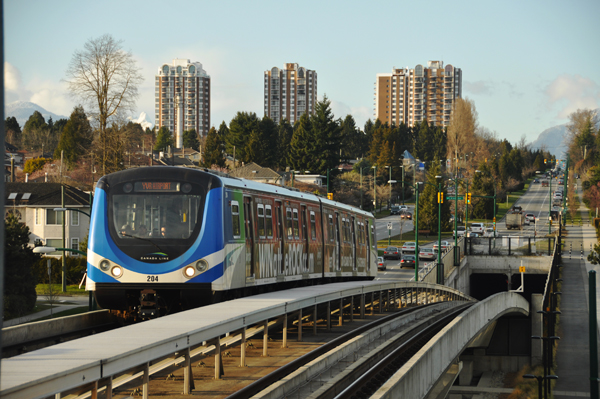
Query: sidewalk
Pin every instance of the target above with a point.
(61, 304)
(572, 357)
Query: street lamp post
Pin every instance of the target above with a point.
(390, 167)
(439, 265)
(375, 189)
(402, 183)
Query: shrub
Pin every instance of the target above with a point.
(33, 165)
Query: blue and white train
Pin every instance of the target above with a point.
(164, 239)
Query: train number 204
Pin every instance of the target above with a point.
(151, 278)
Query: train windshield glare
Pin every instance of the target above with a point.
(170, 216)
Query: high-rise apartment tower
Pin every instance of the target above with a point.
(413, 95)
(290, 92)
(182, 98)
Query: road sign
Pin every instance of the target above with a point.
(460, 198)
(389, 225)
(521, 269)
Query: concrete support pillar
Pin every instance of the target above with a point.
(285, 331)
(372, 303)
(108, 388)
(466, 374)
(537, 329)
(243, 345)
(509, 280)
(315, 320)
(188, 376)
(352, 308)
(218, 358)
(341, 313)
(146, 381)
(266, 338)
(329, 315)
(380, 302)
(387, 300)
(300, 326)
(362, 306)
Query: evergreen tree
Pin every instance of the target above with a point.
(19, 281)
(302, 151)
(190, 139)
(13, 131)
(76, 138)
(240, 129)
(353, 140)
(285, 132)
(483, 185)
(327, 138)
(164, 139)
(214, 149)
(268, 138)
(424, 144)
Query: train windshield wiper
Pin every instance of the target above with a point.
(144, 239)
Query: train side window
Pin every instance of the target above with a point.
(313, 226)
(261, 220)
(235, 219)
(288, 221)
(268, 221)
(330, 228)
(373, 243)
(296, 227)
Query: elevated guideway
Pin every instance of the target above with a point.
(104, 361)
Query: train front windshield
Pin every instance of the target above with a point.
(156, 210)
(156, 216)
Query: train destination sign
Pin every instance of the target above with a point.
(156, 186)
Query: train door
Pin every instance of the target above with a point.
(353, 240)
(304, 238)
(338, 249)
(280, 235)
(249, 236)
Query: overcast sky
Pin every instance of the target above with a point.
(526, 64)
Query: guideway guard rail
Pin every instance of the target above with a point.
(96, 363)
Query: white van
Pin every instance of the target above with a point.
(478, 228)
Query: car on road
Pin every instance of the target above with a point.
(391, 253)
(530, 217)
(536, 181)
(517, 208)
(405, 215)
(478, 228)
(460, 231)
(426, 253)
(409, 246)
(407, 260)
(380, 263)
(489, 232)
(395, 210)
(445, 246)
(545, 183)
(404, 207)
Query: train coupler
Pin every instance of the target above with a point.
(148, 304)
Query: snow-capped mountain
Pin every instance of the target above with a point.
(22, 110)
(553, 140)
(143, 121)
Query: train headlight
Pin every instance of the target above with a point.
(105, 265)
(116, 271)
(202, 265)
(189, 271)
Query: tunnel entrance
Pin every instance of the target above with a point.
(484, 285)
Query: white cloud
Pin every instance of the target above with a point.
(478, 88)
(572, 92)
(52, 96)
(12, 78)
(360, 114)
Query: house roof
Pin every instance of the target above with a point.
(44, 194)
(254, 171)
(185, 151)
(177, 161)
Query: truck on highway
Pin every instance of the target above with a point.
(514, 220)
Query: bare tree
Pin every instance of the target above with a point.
(105, 78)
(461, 131)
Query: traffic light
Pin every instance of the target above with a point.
(468, 198)
(330, 196)
(440, 198)
(545, 160)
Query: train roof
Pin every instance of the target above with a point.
(286, 191)
(234, 182)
